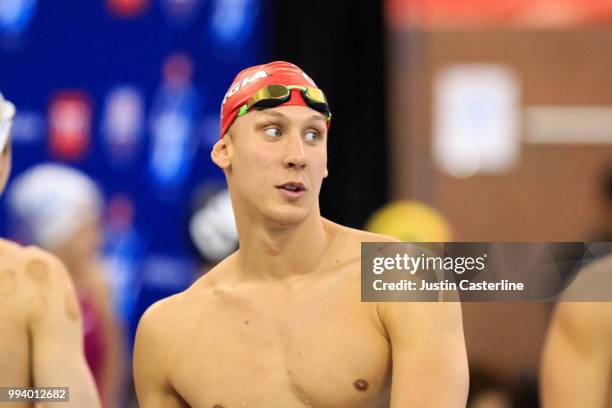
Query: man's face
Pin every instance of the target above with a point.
(276, 162)
(5, 165)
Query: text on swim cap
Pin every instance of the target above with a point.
(257, 75)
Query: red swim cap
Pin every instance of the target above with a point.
(250, 80)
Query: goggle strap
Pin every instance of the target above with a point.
(243, 110)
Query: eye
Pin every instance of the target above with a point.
(312, 136)
(272, 131)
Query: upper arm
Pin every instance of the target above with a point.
(153, 387)
(429, 356)
(55, 327)
(576, 361)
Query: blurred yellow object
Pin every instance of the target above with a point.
(410, 221)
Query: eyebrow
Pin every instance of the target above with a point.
(317, 116)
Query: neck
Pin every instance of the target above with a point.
(275, 252)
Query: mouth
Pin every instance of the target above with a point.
(292, 186)
(292, 189)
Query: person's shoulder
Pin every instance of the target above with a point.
(38, 282)
(585, 323)
(171, 310)
(215, 278)
(160, 337)
(347, 241)
(355, 235)
(158, 325)
(346, 246)
(166, 311)
(9, 248)
(599, 267)
(31, 262)
(592, 283)
(581, 310)
(161, 313)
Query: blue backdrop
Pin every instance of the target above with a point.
(129, 92)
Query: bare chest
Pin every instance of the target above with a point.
(315, 346)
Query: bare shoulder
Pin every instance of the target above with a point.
(21, 257)
(601, 265)
(175, 312)
(32, 267)
(588, 318)
(353, 235)
(441, 314)
(159, 340)
(584, 322)
(346, 244)
(41, 292)
(161, 316)
(154, 348)
(165, 332)
(8, 248)
(592, 283)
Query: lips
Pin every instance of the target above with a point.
(292, 186)
(292, 190)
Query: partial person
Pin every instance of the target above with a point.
(280, 322)
(212, 227)
(59, 208)
(577, 360)
(42, 328)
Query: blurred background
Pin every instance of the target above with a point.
(465, 121)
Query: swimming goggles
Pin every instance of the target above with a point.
(275, 95)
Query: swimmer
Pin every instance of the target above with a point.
(280, 322)
(577, 361)
(59, 208)
(42, 335)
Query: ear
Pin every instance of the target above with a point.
(221, 151)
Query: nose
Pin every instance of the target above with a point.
(295, 156)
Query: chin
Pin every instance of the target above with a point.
(286, 215)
